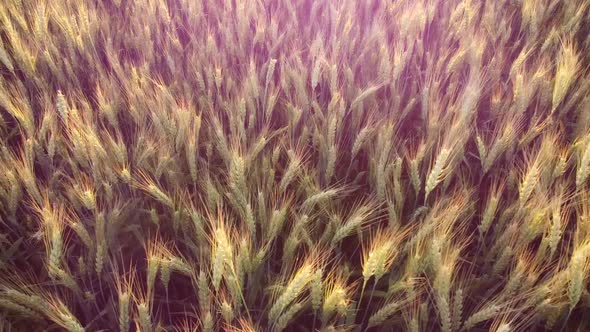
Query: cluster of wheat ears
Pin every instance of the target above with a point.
(330, 165)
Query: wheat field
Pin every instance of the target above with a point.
(271, 165)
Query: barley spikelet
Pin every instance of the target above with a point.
(444, 313)
(145, 320)
(359, 141)
(62, 105)
(222, 256)
(457, 312)
(528, 183)
(355, 221)
(565, 74)
(583, 169)
(153, 265)
(207, 323)
(82, 232)
(124, 312)
(383, 314)
(365, 94)
(436, 175)
(101, 249)
(227, 312)
(165, 272)
(576, 275)
(203, 293)
(18, 309)
(316, 290)
(30, 301)
(292, 290)
(378, 257)
(481, 316)
(292, 169)
(288, 316)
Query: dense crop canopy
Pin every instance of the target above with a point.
(299, 165)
